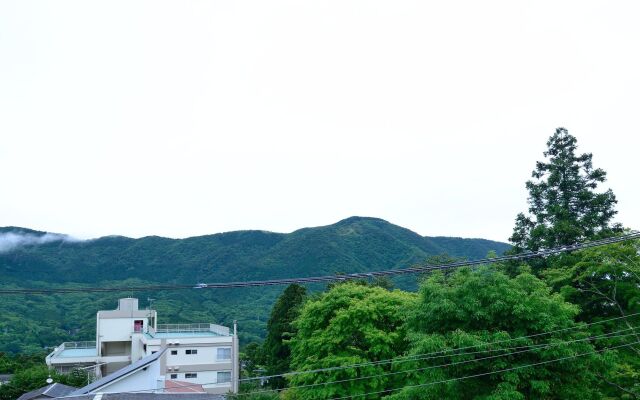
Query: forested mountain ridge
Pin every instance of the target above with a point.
(351, 245)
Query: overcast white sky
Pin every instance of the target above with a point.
(181, 118)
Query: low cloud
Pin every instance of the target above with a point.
(13, 240)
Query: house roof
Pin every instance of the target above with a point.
(141, 363)
(174, 386)
(54, 390)
(148, 396)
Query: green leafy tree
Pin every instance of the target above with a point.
(276, 349)
(471, 308)
(10, 363)
(605, 282)
(564, 206)
(35, 377)
(351, 323)
(251, 358)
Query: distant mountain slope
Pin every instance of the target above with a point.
(352, 245)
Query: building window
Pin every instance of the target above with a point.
(191, 375)
(174, 352)
(174, 376)
(224, 377)
(223, 353)
(191, 351)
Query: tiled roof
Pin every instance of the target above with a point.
(149, 396)
(53, 390)
(173, 386)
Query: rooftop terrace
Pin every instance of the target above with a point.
(75, 350)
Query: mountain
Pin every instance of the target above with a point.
(355, 244)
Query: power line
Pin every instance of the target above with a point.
(489, 373)
(440, 353)
(524, 349)
(333, 278)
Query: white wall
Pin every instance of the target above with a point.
(205, 355)
(210, 377)
(137, 347)
(142, 379)
(116, 329)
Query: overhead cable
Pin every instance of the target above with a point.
(439, 353)
(334, 278)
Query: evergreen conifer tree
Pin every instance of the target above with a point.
(276, 348)
(564, 206)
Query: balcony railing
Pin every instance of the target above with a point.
(78, 345)
(59, 350)
(192, 328)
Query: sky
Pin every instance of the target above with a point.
(184, 118)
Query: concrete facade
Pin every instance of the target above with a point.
(201, 354)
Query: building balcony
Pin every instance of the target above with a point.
(82, 353)
(73, 353)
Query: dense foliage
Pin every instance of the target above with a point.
(280, 329)
(468, 309)
(351, 323)
(30, 373)
(564, 207)
(605, 283)
(470, 334)
(29, 323)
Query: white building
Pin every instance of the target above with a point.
(190, 355)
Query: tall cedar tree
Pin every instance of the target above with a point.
(564, 207)
(277, 351)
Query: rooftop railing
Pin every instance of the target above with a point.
(78, 345)
(192, 328)
(173, 328)
(71, 345)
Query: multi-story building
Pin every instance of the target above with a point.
(204, 355)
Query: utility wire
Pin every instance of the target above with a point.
(440, 353)
(333, 278)
(524, 349)
(489, 373)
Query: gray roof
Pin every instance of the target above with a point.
(53, 390)
(141, 363)
(150, 396)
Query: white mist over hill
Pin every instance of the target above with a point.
(13, 240)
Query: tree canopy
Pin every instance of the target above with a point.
(605, 283)
(351, 323)
(564, 206)
(35, 377)
(276, 349)
(470, 308)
